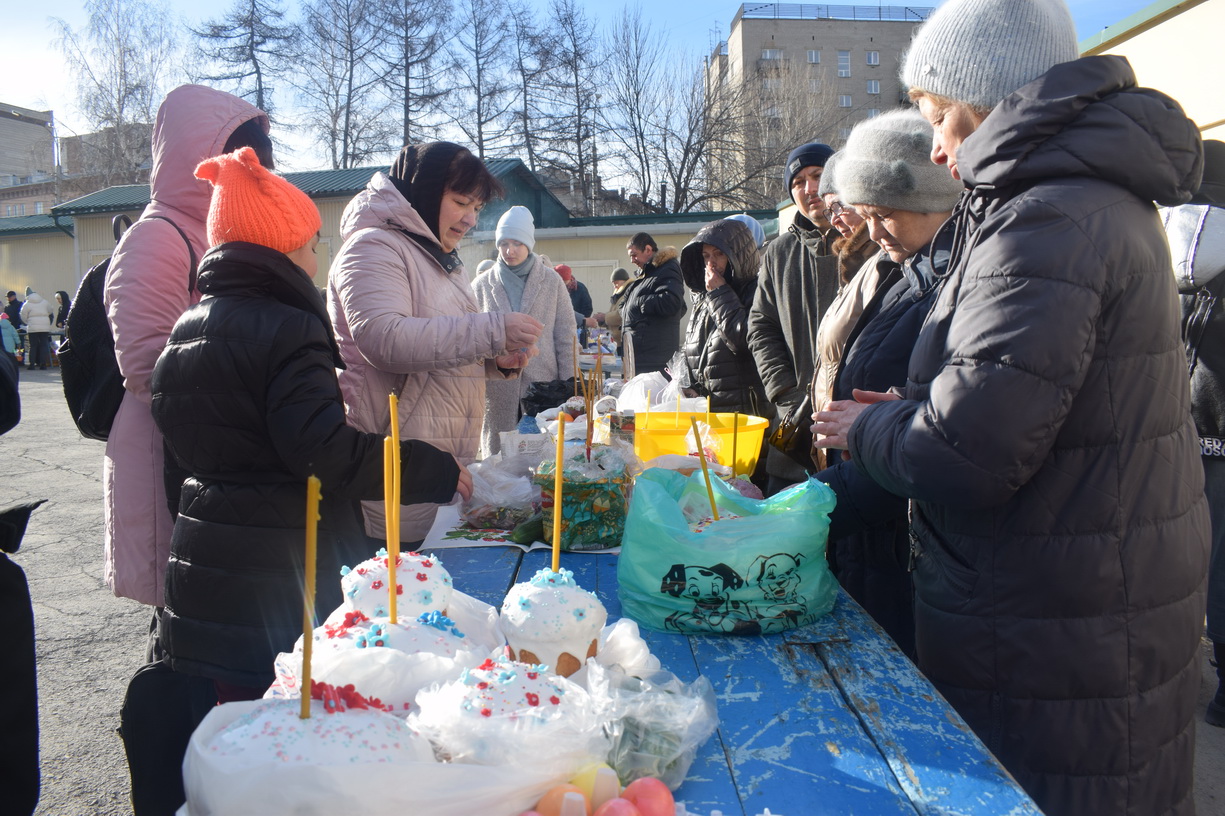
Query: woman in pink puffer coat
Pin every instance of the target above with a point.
(147, 288)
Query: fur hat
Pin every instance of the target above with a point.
(517, 224)
(813, 154)
(887, 163)
(979, 51)
(254, 205)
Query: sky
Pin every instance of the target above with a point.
(33, 76)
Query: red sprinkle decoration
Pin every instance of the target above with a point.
(533, 699)
(554, 700)
(421, 576)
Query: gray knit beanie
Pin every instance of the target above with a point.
(979, 51)
(827, 184)
(887, 163)
(518, 225)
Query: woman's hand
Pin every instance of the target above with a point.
(522, 330)
(464, 486)
(833, 424)
(713, 280)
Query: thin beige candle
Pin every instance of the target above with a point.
(313, 487)
(557, 482)
(393, 552)
(710, 491)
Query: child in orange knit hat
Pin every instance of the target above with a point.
(247, 398)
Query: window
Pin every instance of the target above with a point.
(38, 208)
(814, 57)
(873, 112)
(770, 112)
(844, 63)
(844, 101)
(8, 210)
(874, 86)
(771, 53)
(873, 58)
(21, 209)
(814, 86)
(769, 84)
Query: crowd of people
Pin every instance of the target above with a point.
(970, 330)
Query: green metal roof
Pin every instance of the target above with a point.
(315, 183)
(33, 225)
(1148, 17)
(112, 199)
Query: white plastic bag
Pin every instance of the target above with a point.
(501, 496)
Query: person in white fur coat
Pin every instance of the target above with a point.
(521, 281)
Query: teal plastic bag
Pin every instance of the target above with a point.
(762, 572)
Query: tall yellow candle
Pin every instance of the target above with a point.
(735, 433)
(391, 535)
(710, 491)
(557, 480)
(308, 591)
(393, 550)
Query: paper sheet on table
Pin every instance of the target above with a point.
(449, 531)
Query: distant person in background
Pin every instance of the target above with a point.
(654, 304)
(611, 319)
(38, 315)
(62, 304)
(13, 309)
(10, 337)
(521, 282)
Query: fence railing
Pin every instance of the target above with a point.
(818, 11)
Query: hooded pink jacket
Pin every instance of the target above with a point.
(406, 325)
(146, 291)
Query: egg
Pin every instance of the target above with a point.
(650, 796)
(598, 782)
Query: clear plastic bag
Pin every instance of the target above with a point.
(657, 722)
(502, 496)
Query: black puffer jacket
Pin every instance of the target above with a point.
(247, 398)
(651, 312)
(716, 342)
(1046, 439)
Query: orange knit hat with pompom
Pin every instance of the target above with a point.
(251, 204)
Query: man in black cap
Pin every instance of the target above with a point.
(13, 310)
(799, 280)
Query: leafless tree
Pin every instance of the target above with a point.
(480, 60)
(249, 47)
(341, 80)
(573, 123)
(123, 64)
(530, 65)
(639, 71)
(416, 50)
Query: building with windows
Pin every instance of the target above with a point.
(798, 73)
(27, 161)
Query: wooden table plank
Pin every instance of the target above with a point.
(940, 763)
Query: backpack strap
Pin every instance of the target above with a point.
(191, 252)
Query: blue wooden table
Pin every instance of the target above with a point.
(828, 719)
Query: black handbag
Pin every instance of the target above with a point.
(793, 434)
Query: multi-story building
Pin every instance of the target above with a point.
(790, 73)
(27, 160)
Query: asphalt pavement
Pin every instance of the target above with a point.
(90, 642)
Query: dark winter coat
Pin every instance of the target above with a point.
(1197, 244)
(799, 280)
(651, 312)
(716, 342)
(1062, 532)
(247, 398)
(580, 299)
(869, 549)
(13, 310)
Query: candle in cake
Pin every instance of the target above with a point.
(735, 432)
(557, 480)
(393, 551)
(390, 499)
(710, 491)
(308, 590)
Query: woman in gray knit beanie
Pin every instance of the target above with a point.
(1043, 433)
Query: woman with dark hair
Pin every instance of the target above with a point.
(405, 315)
